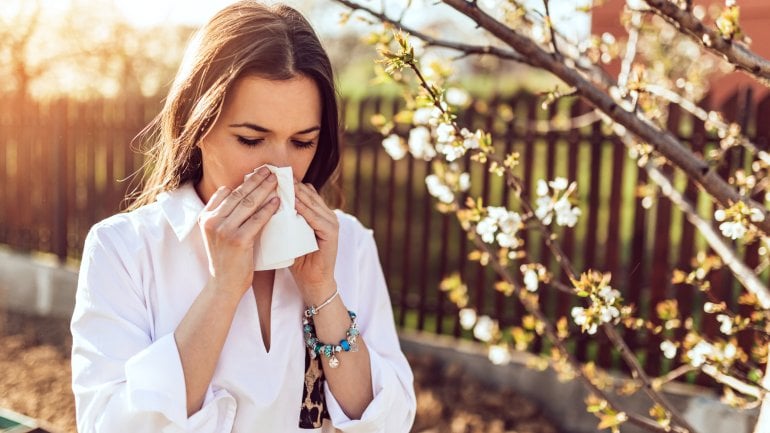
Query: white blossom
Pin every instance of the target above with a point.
(497, 212)
(507, 240)
(471, 140)
(438, 189)
(487, 228)
(436, 113)
(581, 318)
(464, 182)
(499, 354)
(543, 209)
(608, 294)
(457, 96)
(423, 116)
(509, 222)
(485, 329)
(530, 280)
(566, 215)
(726, 324)
(467, 318)
(669, 349)
(699, 353)
(730, 351)
(608, 313)
(394, 147)
(559, 184)
(719, 215)
(490, 4)
(756, 215)
(445, 133)
(733, 229)
(450, 151)
(542, 187)
(419, 143)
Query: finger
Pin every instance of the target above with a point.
(254, 223)
(216, 199)
(252, 202)
(322, 226)
(314, 201)
(251, 182)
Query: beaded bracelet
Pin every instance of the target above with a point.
(313, 310)
(316, 347)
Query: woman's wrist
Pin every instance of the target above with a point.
(317, 294)
(221, 296)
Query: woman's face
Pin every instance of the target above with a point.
(262, 122)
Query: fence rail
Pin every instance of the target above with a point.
(61, 162)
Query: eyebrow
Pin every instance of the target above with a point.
(263, 129)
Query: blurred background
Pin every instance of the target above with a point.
(80, 79)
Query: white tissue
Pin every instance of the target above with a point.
(286, 235)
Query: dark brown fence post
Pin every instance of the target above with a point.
(659, 271)
(590, 258)
(59, 160)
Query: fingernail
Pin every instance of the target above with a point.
(263, 171)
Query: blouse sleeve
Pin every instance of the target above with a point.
(393, 408)
(124, 378)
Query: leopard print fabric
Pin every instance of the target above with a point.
(313, 409)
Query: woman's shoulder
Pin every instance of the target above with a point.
(128, 225)
(351, 229)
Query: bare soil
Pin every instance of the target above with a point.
(35, 381)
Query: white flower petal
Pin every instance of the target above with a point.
(394, 147)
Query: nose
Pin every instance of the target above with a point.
(279, 154)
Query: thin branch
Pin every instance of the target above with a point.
(742, 273)
(549, 24)
(674, 374)
(468, 49)
(515, 183)
(631, 46)
(696, 111)
(734, 383)
(576, 122)
(737, 54)
(534, 309)
(664, 142)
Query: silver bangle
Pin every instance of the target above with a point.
(313, 310)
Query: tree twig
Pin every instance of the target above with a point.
(549, 24)
(664, 142)
(629, 357)
(735, 53)
(431, 41)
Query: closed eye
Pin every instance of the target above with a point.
(255, 141)
(303, 144)
(249, 142)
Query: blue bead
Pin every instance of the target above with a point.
(308, 328)
(345, 345)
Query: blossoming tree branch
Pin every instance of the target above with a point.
(634, 105)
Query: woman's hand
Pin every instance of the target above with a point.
(230, 223)
(314, 272)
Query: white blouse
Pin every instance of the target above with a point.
(141, 272)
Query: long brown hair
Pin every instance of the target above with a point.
(245, 38)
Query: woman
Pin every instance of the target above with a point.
(173, 330)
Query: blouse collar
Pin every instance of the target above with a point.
(181, 207)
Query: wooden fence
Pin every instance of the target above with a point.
(60, 163)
